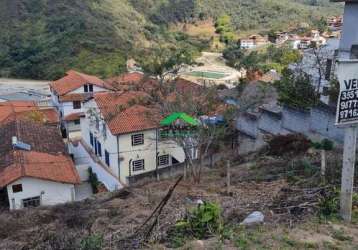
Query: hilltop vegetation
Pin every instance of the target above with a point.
(43, 38)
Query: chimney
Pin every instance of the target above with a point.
(14, 141)
(16, 144)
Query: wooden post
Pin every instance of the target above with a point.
(228, 177)
(185, 164)
(349, 156)
(323, 162)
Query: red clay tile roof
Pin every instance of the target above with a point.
(126, 78)
(124, 112)
(74, 80)
(46, 160)
(111, 103)
(74, 116)
(27, 110)
(183, 86)
(75, 97)
(135, 118)
(58, 168)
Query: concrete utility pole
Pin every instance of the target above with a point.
(348, 65)
(349, 159)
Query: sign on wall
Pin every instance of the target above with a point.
(347, 107)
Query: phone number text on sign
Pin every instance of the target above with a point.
(348, 106)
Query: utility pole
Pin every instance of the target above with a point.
(347, 114)
(349, 156)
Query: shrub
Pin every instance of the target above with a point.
(325, 144)
(199, 223)
(288, 144)
(93, 179)
(329, 205)
(205, 220)
(92, 242)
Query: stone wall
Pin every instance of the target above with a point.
(316, 123)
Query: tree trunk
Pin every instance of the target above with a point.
(323, 163)
(228, 176)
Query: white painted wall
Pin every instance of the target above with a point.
(247, 44)
(52, 192)
(81, 90)
(82, 159)
(120, 147)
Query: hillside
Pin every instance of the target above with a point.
(41, 39)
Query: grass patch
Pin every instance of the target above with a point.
(341, 235)
(213, 75)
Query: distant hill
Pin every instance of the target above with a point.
(44, 38)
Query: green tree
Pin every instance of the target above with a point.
(233, 54)
(295, 90)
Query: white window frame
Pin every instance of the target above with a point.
(31, 199)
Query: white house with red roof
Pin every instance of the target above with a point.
(35, 168)
(68, 95)
(122, 130)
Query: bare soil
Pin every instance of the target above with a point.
(255, 187)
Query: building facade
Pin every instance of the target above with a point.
(68, 95)
(126, 138)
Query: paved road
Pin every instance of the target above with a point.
(8, 86)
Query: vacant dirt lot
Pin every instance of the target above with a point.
(261, 184)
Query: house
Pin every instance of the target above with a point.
(28, 110)
(253, 42)
(335, 22)
(270, 76)
(41, 99)
(122, 130)
(128, 81)
(247, 44)
(68, 94)
(317, 39)
(34, 166)
(319, 71)
(281, 37)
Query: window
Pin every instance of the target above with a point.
(163, 160)
(91, 139)
(329, 64)
(17, 188)
(137, 139)
(106, 157)
(99, 148)
(31, 202)
(95, 146)
(138, 165)
(88, 88)
(77, 122)
(76, 105)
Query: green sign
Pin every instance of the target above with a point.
(183, 117)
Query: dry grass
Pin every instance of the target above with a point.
(204, 29)
(115, 216)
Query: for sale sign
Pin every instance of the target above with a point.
(347, 108)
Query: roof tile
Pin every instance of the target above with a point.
(73, 80)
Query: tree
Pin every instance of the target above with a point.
(161, 61)
(296, 90)
(233, 54)
(225, 28)
(204, 138)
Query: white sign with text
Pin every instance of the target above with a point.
(347, 106)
